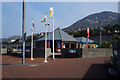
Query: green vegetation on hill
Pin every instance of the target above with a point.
(95, 32)
(112, 27)
(5, 42)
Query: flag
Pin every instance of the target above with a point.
(87, 31)
(33, 26)
(44, 20)
(51, 11)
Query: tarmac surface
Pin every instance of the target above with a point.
(73, 68)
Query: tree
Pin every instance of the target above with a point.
(116, 37)
(105, 44)
(5, 42)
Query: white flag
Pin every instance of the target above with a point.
(51, 11)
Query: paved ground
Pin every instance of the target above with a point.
(91, 68)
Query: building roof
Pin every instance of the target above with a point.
(84, 40)
(59, 35)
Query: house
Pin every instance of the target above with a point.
(83, 41)
(62, 40)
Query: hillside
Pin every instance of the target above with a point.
(95, 20)
(7, 39)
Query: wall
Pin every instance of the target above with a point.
(40, 53)
(87, 52)
(40, 44)
(71, 53)
(3, 50)
(96, 52)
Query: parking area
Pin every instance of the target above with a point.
(82, 68)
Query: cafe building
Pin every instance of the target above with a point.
(61, 40)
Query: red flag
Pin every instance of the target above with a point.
(87, 31)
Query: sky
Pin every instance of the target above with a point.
(65, 14)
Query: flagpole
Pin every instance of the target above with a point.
(32, 44)
(86, 42)
(51, 15)
(23, 34)
(46, 39)
(53, 39)
(87, 36)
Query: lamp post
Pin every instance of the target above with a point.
(23, 33)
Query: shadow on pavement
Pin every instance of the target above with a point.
(96, 72)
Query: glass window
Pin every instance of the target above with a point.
(58, 44)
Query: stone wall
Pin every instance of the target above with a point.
(96, 52)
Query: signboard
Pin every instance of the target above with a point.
(96, 46)
(72, 51)
(24, 37)
(115, 53)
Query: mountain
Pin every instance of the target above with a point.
(3, 40)
(7, 39)
(95, 20)
(14, 37)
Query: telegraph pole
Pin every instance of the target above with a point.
(100, 38)
(23, 33)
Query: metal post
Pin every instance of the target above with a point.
(53, 40)
(86, 42)
(100, 38)
(32, 45)
(23, 32)
(46, 39)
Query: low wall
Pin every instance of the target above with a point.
(37, 52)
(3, 50)
(71, 53)
(48, 52)
(96, 52)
